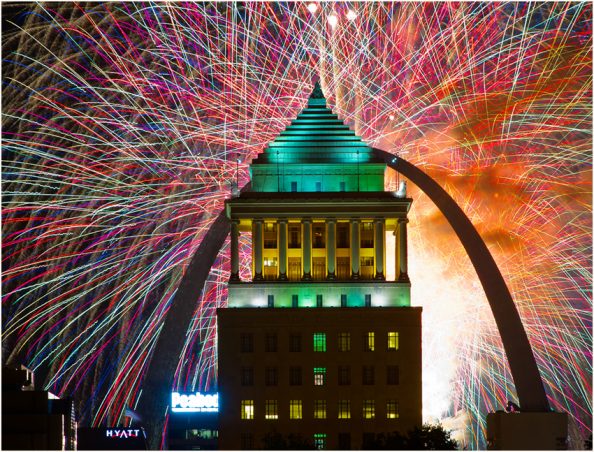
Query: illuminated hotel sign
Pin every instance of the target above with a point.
(194, 403)
(123, 432)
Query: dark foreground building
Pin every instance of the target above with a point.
(33, 419)
(318, 347)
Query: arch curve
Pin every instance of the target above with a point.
(529, 386)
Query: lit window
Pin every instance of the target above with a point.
(368, 409)
(392, 409)
(319, 340)
(320, 441)
(271, 409)
(393, 340)
(344, 342)
(319, 376)
(344, 409)
(295, 409)
(369, 341)
(319, 409)
(247, 409)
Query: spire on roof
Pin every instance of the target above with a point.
(317, 92)
(317, 96)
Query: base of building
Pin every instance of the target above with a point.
(527, 431)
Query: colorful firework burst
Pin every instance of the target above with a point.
(126, 125)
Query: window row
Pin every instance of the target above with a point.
(391, 341)
(319, 410)
(320, 440)
(318, 235)
(317, 268)
(319, 375)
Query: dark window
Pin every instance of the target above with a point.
(319, 235)
(293, 186)
(344, 342)
(368, 375)
(319, 300)
(271, 301)
(247, 376)
(294, 301)
(369, 341)
(342, 235)
(368, 441)
(318, 186)
(392, 375)
(344, 441)
(247, 441)
(247, 342)
(342, 186)
(294, 235)
(367, 300)
(344, 375)
(271, 376)
(295, 376)
(343, 300)
(271, 342)
(295, 342)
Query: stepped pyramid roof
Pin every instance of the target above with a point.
(317, 135)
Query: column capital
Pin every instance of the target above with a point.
(306, 220)
(402, 220)
(282, 220)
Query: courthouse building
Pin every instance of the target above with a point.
(318, 344)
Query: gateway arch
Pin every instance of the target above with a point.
(158, 380)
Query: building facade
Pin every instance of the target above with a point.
(318, 345)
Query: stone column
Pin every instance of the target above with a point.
(355, 243)
(257, 244)
(396, 254)
(282, 250)
(235, 250)
(331, 247)
(379, 248)
(306, 249)
(402, 255)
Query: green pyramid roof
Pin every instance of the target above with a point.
(317, 142)
(317, 135)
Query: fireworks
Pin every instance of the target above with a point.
(126, 125)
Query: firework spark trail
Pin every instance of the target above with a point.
(122, 129)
